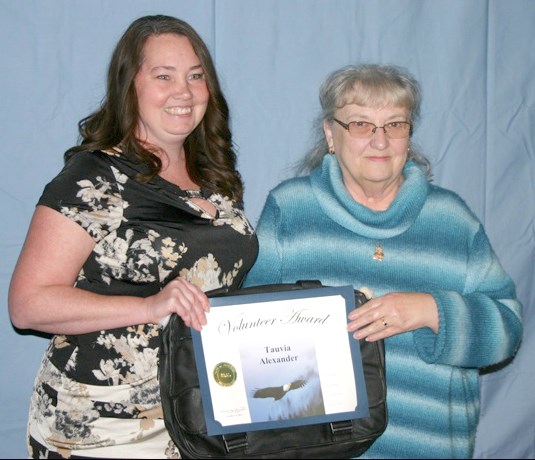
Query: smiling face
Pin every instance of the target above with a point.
(171, 90)
(371, 167)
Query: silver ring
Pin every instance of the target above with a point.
(385, 324)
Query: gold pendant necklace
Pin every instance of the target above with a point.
(379, 253)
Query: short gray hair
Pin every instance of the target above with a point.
(368, 85)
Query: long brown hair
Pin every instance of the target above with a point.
(210, 155)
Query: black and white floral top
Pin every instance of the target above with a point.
(145, 235)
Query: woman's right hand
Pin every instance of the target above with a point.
(181, 297)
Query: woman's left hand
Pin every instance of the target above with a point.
(393, 314)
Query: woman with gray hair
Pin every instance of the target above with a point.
(364, 86)
(366, 214)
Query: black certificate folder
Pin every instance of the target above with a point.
(279, 359)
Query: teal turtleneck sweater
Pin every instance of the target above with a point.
(311, 228)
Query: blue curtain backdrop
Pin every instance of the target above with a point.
(474, 58)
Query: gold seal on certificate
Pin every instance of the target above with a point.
(225, 374)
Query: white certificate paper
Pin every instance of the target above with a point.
(279, 359)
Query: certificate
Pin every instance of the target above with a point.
(279, 359)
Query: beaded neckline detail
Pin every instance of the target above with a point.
(194, 193)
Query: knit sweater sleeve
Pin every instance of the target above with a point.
(482, 325)
(268, 266)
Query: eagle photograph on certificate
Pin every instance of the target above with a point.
(282, 380)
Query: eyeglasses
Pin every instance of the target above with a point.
(361, 129)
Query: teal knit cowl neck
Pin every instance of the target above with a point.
(336, 202)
